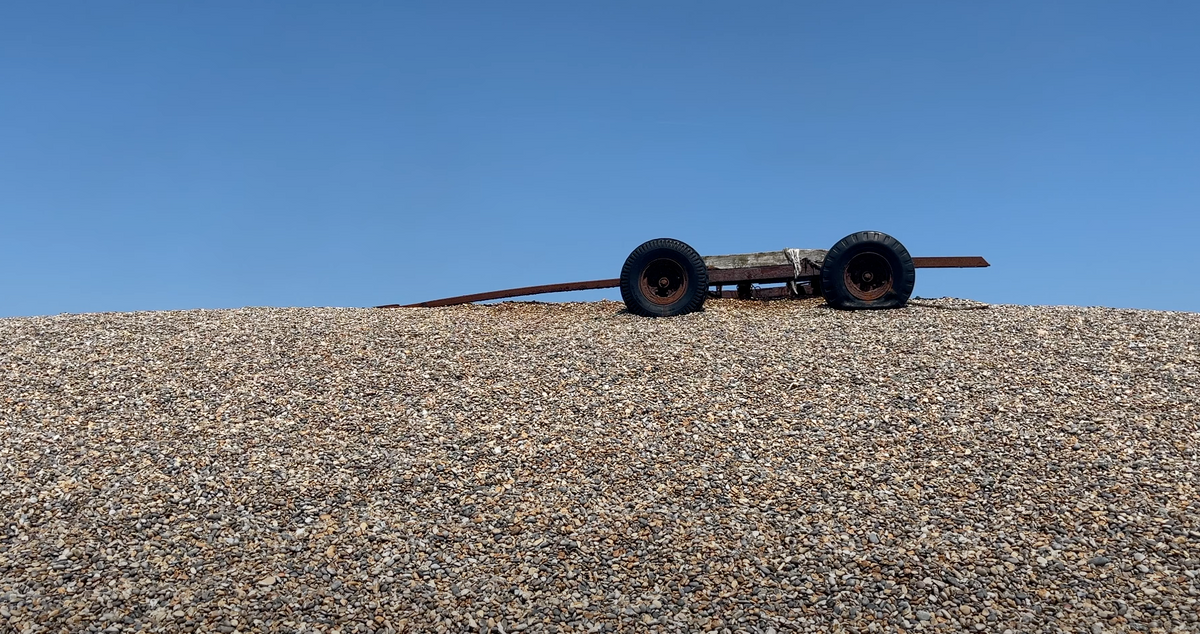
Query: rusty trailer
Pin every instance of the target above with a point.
(868, 270)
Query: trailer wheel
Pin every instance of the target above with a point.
(664, 278)
(868, 270)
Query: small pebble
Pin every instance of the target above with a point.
(757, 467)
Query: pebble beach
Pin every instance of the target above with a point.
(526, 467)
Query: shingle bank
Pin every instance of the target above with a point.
(569, 467)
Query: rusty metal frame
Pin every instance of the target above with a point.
(744, 278)
(760, 274)
(512, 292)
(767, 292)
(951, 262)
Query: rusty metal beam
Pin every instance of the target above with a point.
(512, 292)
(771, 292)
(762, 274)
(951, 262)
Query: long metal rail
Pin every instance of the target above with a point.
(512, 292)
(761, 274)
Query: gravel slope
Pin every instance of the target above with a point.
(568, 467)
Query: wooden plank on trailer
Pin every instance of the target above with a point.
(810, 260)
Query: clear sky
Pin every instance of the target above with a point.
(169, 155)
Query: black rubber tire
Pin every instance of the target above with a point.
(876, 248)
(687, 296)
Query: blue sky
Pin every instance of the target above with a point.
(170, 155)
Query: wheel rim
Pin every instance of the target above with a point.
(868, 276)
(663, 281)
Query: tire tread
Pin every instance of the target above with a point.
(698, 272)
(833, 284)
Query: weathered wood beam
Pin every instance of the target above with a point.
(809, 261)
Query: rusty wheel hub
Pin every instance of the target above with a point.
(868, 276)
(664, 281)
